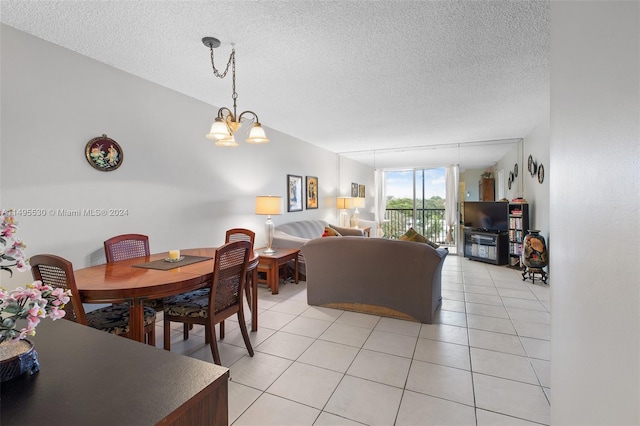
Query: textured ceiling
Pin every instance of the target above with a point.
(349, 76)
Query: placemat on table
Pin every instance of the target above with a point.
(163, 265)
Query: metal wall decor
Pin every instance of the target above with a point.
(104, 154)
(540, 173)
(533, 166)
(535, 169)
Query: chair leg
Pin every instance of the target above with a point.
(221, 330)
(167, 333)
(211, 332)
(185, 331)
(151, 335)
(245, 334)
(247, 287)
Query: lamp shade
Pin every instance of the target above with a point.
(359, 202)
(257, 135)
(229, 141)
(218, 130)
(344, 202)
(268, 204)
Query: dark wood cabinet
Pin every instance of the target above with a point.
(489, 247)
(89, 377)
(486, 190)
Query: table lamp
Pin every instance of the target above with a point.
(357, 202)
(344, 203)
(267, 204)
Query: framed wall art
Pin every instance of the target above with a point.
(294, 193)
(354, 189)
(361, 191)
(104, 154)
(312, 192)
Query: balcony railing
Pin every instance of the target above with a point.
(430, 223)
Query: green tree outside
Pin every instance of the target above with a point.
(430, 217)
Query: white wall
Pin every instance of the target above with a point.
(595, 213)
(507, 163)
(176, 185)
(355, 172)
(536, 144)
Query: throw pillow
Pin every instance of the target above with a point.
(412, 235)
(330, 232)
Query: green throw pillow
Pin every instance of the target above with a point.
(412, 235)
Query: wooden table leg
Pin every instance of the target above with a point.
(296, 262)
(274, 276)
(136, 320)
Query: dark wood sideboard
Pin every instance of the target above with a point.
(89, 377)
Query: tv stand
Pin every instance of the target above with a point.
(486, 246)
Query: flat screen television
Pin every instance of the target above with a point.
(491, 216)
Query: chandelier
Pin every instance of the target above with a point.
(228, 122)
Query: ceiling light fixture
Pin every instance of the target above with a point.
(228, 122)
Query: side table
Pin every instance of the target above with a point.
(366, 230)
(270, 265)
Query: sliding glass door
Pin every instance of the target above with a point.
(416, 199)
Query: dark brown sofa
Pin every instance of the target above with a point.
(400, 279)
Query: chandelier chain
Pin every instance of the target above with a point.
(229, 62)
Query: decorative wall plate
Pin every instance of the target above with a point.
(509, 183)
(529, 164)
(540, 173)
(515, 170)
(104, 153)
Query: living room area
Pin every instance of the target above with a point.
(486, 358)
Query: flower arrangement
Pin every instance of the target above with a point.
(11, 248)
(33, 303)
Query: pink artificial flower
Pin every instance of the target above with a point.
(8, 232)
(37, 312)
(56, 313)
(62, 296)
(32, 323)
(22, 266)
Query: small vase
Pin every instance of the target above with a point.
(17, 358)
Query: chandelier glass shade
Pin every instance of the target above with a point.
(228, 121)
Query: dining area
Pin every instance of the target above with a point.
(194, 285)
(109, 352)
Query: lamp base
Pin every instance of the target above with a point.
(268, 250)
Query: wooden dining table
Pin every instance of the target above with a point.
(121, 281)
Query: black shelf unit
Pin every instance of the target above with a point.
(489, 247)
(518, 228)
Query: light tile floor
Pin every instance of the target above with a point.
(485, 360)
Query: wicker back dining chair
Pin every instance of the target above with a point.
(126, 246)
(223, 299)
(56, 271)
(241, 234)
